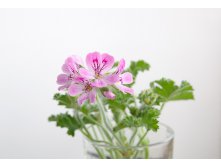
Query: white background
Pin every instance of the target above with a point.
(178, 43)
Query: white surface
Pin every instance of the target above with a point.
(179, 44)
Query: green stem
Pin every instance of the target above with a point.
(103, 137)
(95, 133)
(104, 130)
(103, 115)
(96, 137)
(105, 119)
(133, 136)
(146, 153)
(99, 125)
(87, 134)
(141, 139)
(103, 133)
(135, 102)
(101, 155)
(162, 106)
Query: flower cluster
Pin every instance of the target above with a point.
(85, 82)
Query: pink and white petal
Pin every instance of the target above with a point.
(92, 96)
(72, 68)
(82, 98)
(107, 62)
(109, 94)
(93, 60)
(70, 62)
(74, 60)
(75, 89)
(126, 78)
(73, 63)
(62, 87)
(79, 79)
(62, 79)
(65, 86)
(86, 74)
(78, 60)
(66, 69)
(121, 66)
(125, 89)
(99, 83)
(111, 79)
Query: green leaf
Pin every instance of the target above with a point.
(128, 122)
(66, 121)
(65, 100)
(71, 103)
(169, 91)
(138, 66)
(88, 108)
(148, 118)
(135, 111)
(119, 104)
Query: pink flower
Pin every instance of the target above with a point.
(125, 78)
(98, 66)
(85, 82)
(83, 88)
(71, 70)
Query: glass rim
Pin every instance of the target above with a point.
(168, 138)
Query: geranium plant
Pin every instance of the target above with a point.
(105, 106)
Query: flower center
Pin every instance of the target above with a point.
(88, 87)
(97, 75)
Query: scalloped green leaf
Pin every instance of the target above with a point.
(169, 91)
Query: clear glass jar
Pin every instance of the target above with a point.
(156, 145)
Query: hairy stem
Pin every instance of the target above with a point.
(105, 119)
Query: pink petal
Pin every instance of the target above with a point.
(125, 89)
(74, 60)
(66, 69)
(121, 66)
(126, 78)
(79, 79)
(85, 73)
(109, 94)
(65, 86)
(79, 61)
(111, 79)
(107, 62)
(92, 96)
(70, 60)
(75, 89)
(93, 60)
(99, 83)
(62, 79)
(81, 99)
(62, 87)
(70, 68)
(73, 63)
